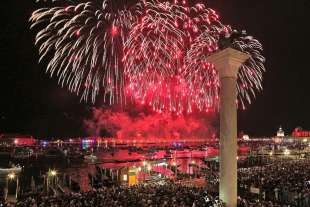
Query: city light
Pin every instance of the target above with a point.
(287, 152)
(11, 176)
(52, 173)
(163, 89)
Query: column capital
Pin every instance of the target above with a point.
(228, 61)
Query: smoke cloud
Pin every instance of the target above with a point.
(149, 125)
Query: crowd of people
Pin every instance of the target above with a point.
(284, 183)
(277, 184)
(151, 195)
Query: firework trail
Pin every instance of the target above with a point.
(155, 57)
(153, 51)
(84, 41)
(165, 59)
(249, 76)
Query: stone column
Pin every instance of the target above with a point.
(227, 62)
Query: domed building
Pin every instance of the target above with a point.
(279, 138)
(280, 132)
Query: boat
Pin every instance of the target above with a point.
(22, 153)
(5, 172)
(14, 169)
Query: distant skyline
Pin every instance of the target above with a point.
(32, 103)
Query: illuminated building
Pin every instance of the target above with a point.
(299, 132)
(280, 132)
(16, 139)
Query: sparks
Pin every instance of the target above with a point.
(84, 51)
(153, 52)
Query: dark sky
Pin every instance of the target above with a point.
(32, 103)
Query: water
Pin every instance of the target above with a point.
(112, 160)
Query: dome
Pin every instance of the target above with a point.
(280, 132)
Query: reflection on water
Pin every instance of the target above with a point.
(166, 163)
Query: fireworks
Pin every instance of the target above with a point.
(85, 42)
(201, 74)
(154, 53)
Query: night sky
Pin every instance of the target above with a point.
(32, 103)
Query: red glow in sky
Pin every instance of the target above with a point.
(143, 125)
